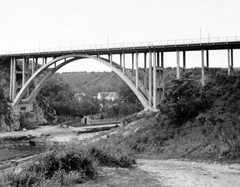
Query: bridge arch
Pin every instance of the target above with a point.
(66, 59)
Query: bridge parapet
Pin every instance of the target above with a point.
(124, 46)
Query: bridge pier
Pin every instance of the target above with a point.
(136, 80)
(203, 67)
(14, 80)
(11, 81)
(150, 80)
(184, 60)
(207, 60)
(154, 81)
(145, 70)
(230, 62)
(178, 64)
(110, 58)
(133, 64)
(161, 81)
(123, 63)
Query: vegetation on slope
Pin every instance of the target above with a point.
(60, 90)
(192, 122)
(61, 97)
(93, 82)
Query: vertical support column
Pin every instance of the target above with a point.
(150, 80)
(43, 61)
(230, 61)
(36, 67)
(207, 59)
(178, 64)
(32, 66)
(232, 70)
(23, 72)
(27, 74)
(202, 58)
(154, 81)
(133, 64)
(11, 81)
(184, 60)
(137, 70)
(162, 84)
(145, 69)
(123, 59)
(158, 60)
(14, 87)
(110, 58)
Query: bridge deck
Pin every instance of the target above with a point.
(129, 49)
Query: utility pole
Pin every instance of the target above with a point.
(200, 35)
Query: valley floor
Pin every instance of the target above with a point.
(178, 173)
(170, 173)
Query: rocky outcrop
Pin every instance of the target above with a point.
(42, 114)
(29, 120)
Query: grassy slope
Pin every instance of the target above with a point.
(211, 133)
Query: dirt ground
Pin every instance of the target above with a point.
(177, 173)
(169, 173)
(120, 177)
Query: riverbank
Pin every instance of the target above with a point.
(20, 144)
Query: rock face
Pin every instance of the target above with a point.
(42, 114)
(29, 120)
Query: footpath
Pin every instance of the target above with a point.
(178, 173)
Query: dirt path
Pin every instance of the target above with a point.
(176, 173)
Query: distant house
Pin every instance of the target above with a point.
(79, 96)
(110, 96)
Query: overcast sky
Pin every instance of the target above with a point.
(28, 24)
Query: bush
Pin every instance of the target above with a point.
(62, 166)
(184, 101)
(70, 164)
(111, 155)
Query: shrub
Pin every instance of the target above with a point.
(111, 155)
(70, 164)
(59, 166)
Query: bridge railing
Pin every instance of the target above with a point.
(124, 45)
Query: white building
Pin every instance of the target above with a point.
(110, 96)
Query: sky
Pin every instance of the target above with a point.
(41, 24)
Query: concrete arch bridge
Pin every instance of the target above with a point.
(37, 67)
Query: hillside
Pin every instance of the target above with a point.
(192, 122)
(60, 91)
(93, 82)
